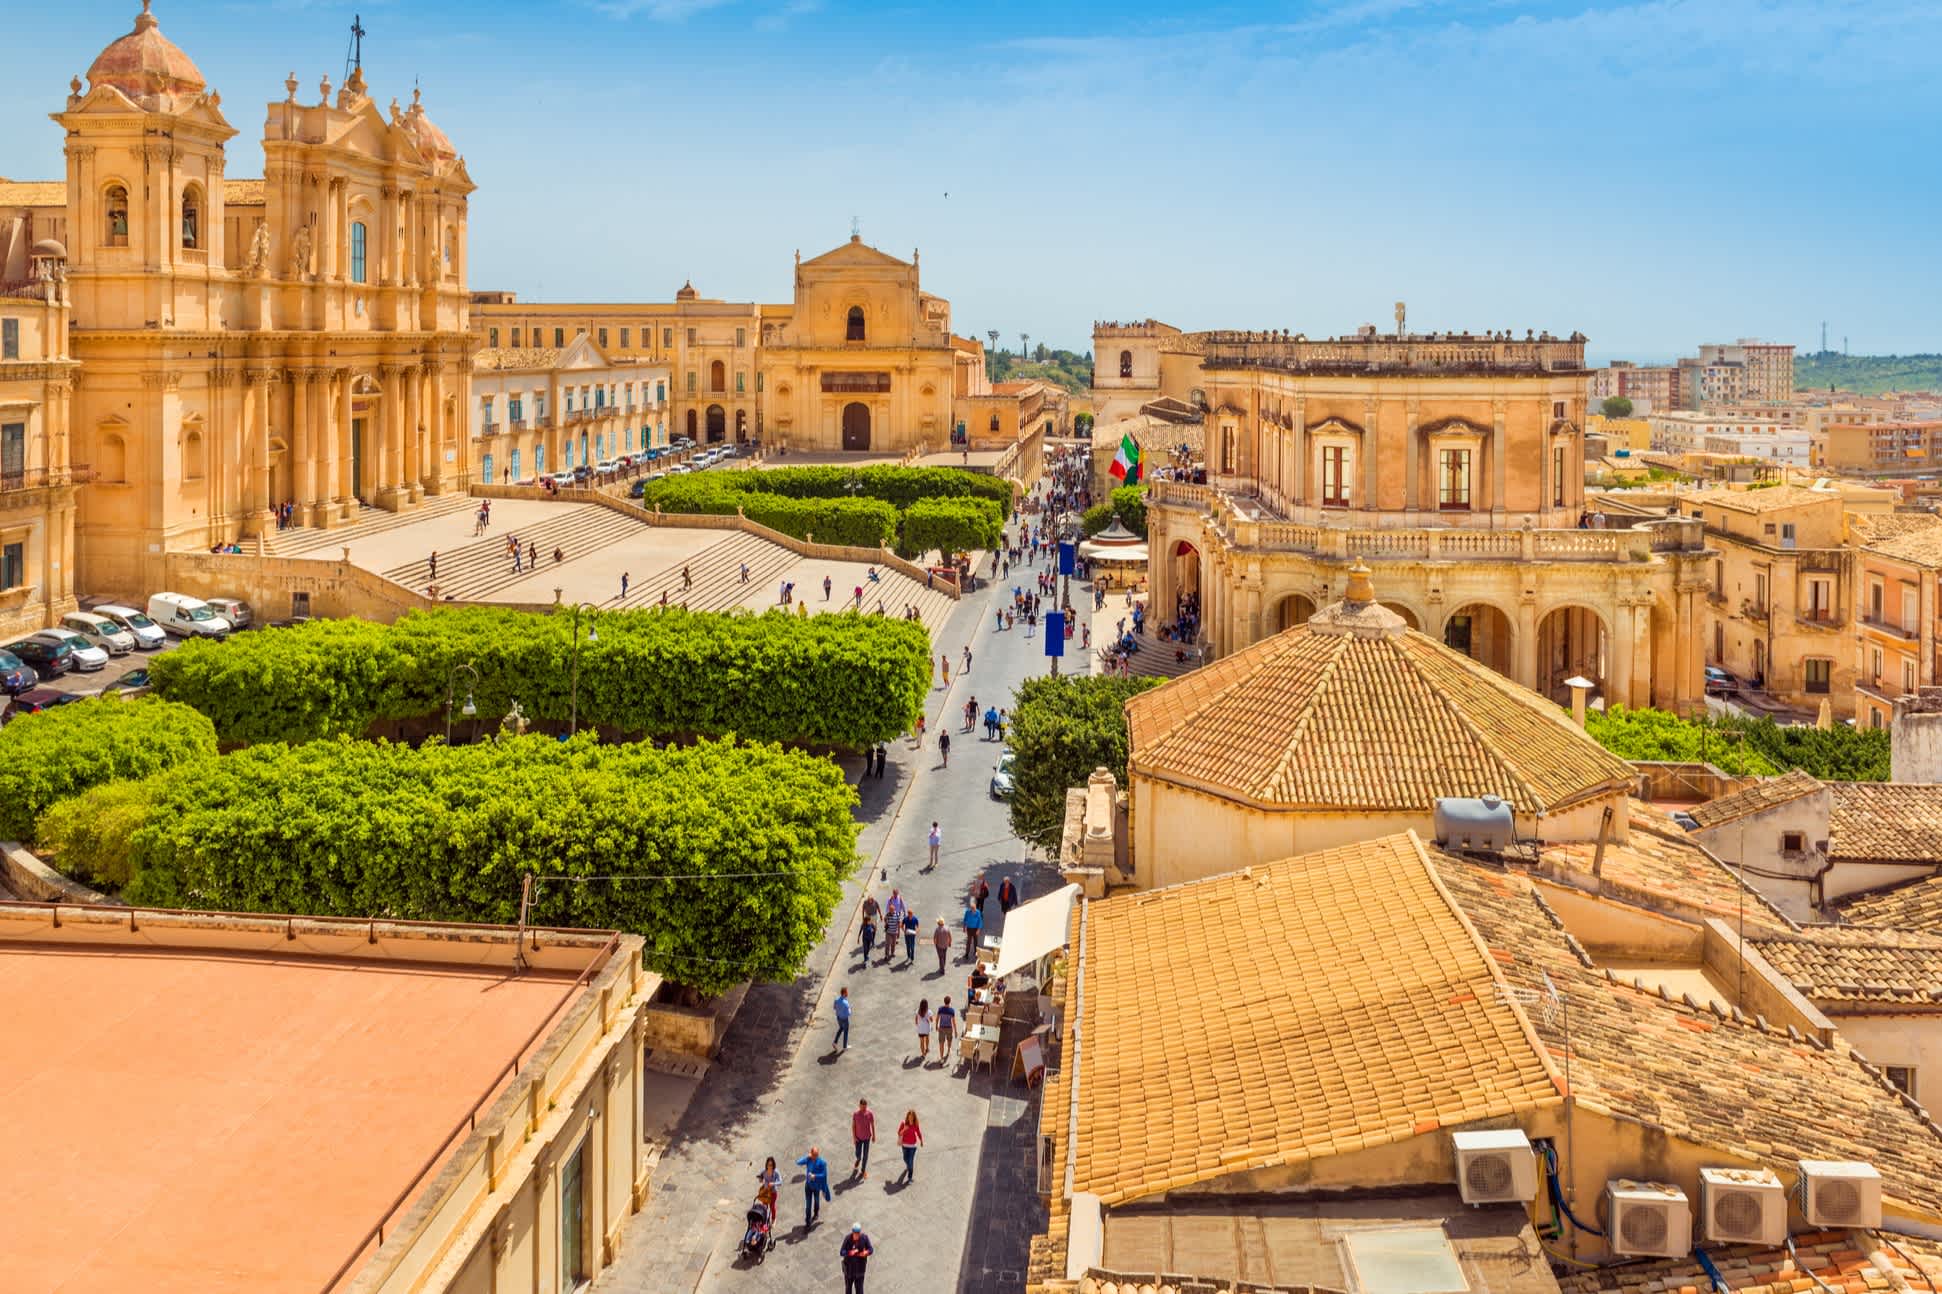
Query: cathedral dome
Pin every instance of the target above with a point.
(146, 66)
(431, 141)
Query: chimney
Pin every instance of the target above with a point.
(1915, 740)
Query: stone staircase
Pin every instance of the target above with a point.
(309, 541)
(717, 574)
(483, 567)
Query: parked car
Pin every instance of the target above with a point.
(1001, 782)
(608, 466)
(87, 657)
(186, 617)
(234, 610)
(637, 489)
(680, 469)
(148, 634)
(16, 675)
(100, 631)
(1718, 681)
(134, 678)
(49, 659)
(39, 699)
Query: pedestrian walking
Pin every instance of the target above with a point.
(687, 580)
(434, 563)
(893, 916)
(967, 659)
(815, 1185)
(842, 1039)
(944, 668)
(532, 554)
(924, 1026)
(936, 841)
(973, 923)
(911, 924)
(1007, 895)
(944, 747)
(1001, 621)
(991, 723)
(909, 1137)
(970, 713)
(827, 584)
(869, 934)
(941, 940)
(623, 586)
(947, 1030)
(863, 1131)
(856, 1249)
(745, 572)
(984, 894)
(515, 559)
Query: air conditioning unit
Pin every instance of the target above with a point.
(1839, 1193)
(1495, 1167)
(1743, 1206)
(1649, 1219)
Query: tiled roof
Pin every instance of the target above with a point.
(1767, 793)
(1354, 721)
(1870, 528)
(53, 193)
(499, 358)
(1771, 499)
(1658, 865)
(1702, 1074)
(1886, 821)
(1844, 1262)
(1843, 966)
(1303, 1008)
(1914, 906)
(1922, 547)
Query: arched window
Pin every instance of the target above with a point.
(192, 217)
(357, 251)
(854, 332)
(717, 376)
(111, 464)
(1126, 363)
(114, 230)
(192, 457)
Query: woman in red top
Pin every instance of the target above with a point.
(910, 1136)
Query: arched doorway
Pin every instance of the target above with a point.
(691, 424)
(1481, 632)
(856, 425)
(717, 423)
(1571, 641)
(741, 426)
(1293, 610)
(1184, 580)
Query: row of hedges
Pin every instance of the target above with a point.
(828, 680)
(913, 509)
(1744, 746)
(1061, 730)
(731, 857)
(1126, 504)
(900, 487)
(61, 752)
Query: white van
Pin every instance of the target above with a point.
(100, 632)
(148, 634)
(186, 617)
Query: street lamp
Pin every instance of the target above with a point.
(593, 636)
(470, 709)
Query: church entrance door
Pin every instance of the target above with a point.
(856, 425)
(357, 459)
(717, 423)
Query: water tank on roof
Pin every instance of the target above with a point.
(1480, 825)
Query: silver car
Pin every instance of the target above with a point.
(87, 657)
(148, 634)
(100, 631)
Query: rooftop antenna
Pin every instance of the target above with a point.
(354, 57)
(856, 227)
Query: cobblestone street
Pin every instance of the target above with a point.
(777, 1088)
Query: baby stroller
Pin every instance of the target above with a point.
(758, 1239)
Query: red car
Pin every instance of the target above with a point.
(38, 699)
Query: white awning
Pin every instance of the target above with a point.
(1035, 929)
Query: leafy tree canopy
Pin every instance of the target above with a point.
(60, 752)
(1616, 406)
(1061, 730)
(1744, 746)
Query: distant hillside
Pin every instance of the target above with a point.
(1062, 368)
(1868, 374)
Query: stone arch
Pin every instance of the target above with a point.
(854, 327)
(717, 376)
(1484, 632)
(717, 423)
(1126, 363)
(1573, 639)
(1410, 615)
(114, 214)
(741, 426)
(1292, 610)
(693, 422)
(111, 458)
(193, 215)
(194, 457)
(856, 425)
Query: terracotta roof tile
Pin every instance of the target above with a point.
(1299, 1009)
(1767, 793)
(1867, 528)
(1914, 906)
(1658, 865)
(1770, 499)
(1838, 965)
(1311, 719)
(1886, 821)
(1722, 1082)
(1843, 1260)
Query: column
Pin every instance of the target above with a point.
(1301, 454)
(1371, 451)
(414, 437)
(1525, 664)
(387, 446)
(301, 482)
(258, 436)
(1498, 452)
(1618, 688)
(340, 463)
(1413, 454)
(433, 471)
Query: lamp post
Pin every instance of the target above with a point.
(593, 636)
(451, 688)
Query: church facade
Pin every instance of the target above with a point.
(245, 344)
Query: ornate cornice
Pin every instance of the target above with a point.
(261, 376)
(162, 381)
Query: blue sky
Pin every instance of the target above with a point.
(1654, 174)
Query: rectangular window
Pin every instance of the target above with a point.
(357, 252)
(1908, 678)
(1911, 609)
(485, 410)
(575, 1270)
(1792, 842)
(758, 383)
(660, 392)
(559, 337)
(13, 566)
(1335, 476)
(1453, 480)
(741, 382)
(1902, 1076)
(691, 382)
(1820, 599)
(1820, 675)
(1557, 410)
(9, 339)
(1874, 660)
(741, 338)
(623, 338)
(603, 339)
(13, 450)
(1877, 596)
(513, 409)
(691, 336)
(667, 337)
(300, 606)
(492, 337)
(1557, 477)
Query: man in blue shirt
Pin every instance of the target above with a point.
(815, 1184)
(973, 923)
(842, 1039)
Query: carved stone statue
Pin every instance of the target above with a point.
(514, 724)
(300, 252)
(259, 251)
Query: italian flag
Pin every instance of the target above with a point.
(1126, 463)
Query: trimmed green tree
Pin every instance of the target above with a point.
(1616, 406)
(1062, 729)
(61, 752)
(950, 526)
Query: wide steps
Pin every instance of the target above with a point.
(301, 541)
(483, 567)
